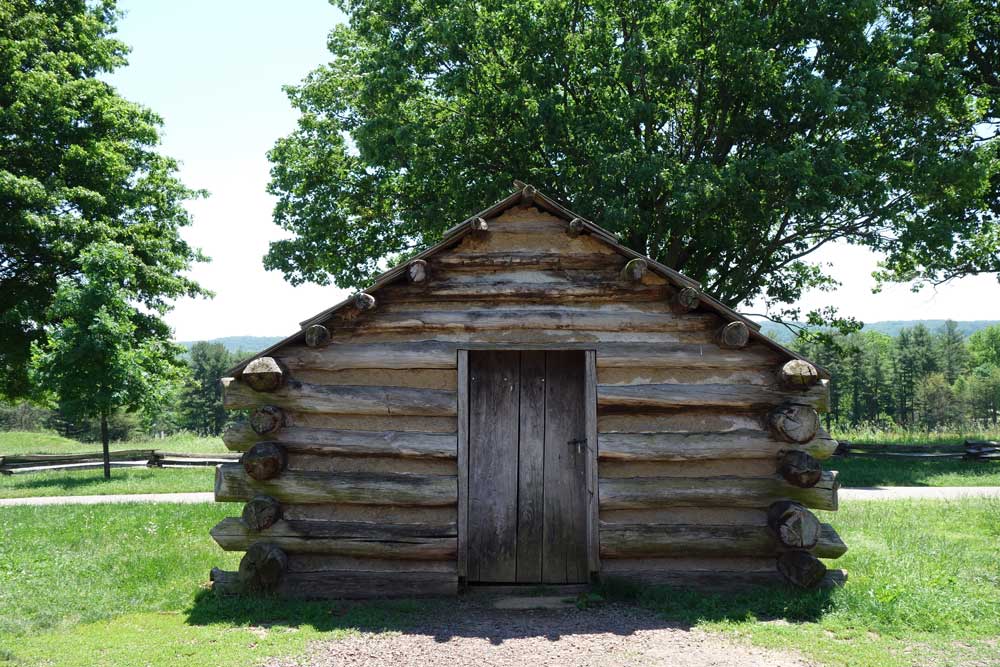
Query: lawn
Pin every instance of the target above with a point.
(29, 442)
(123, 585)
(899, 471)
(92, 482)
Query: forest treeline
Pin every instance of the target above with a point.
(193, 403)
(920, 379)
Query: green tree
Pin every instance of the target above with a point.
(102, 353)
(952, 353)
(728, 140)
(203, 411)
(984, 346)
(936, 405)
(78, 167)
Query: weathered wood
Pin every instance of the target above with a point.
(493, 434)
(794, 525)
(576, 227)
(462, 512)
(710, 574)
(261, 512)
(333, 562)
(564, 544)
(737, 444)
(479, 225)
(344, 538)
(373, 464)
(263, 374)
(317, 335)
(363, 301)
(795, 422)
(591, 468)
(801, 568)
(798, 374)
(300, 440)
(568, 318)
(697, 468)
(342, 356)
(596, 291)
(690, 420)
(652, 492)
(345, 399)
(644, 540)
(232, 484)
(799, 468)
(267, 419)
(531, 467)
(262, 567)
(734, 335)
(446, 514)
(634, 270)
(528, 193)
(532, 260)
(681, 355)
(418, 271)
(265, 460)
(347, 584)
(685, 300)
(668, 396)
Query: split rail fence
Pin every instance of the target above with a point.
(972, 450)
(131, 458)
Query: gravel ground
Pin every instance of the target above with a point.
(473, 634)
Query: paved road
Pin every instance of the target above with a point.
(865, 493)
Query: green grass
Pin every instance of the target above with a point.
(123, 585)
(862, 471)
(29, 442)
(92, 482)
(923, 588)
(897, 436)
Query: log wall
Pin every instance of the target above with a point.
(361, 498)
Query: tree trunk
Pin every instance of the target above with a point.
(104, 446)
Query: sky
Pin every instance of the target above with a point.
(214, 71)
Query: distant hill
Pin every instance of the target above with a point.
(247, 344)
(889, 327)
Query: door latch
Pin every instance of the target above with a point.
(579, 443)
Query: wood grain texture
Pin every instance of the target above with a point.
(564, 545)
(347, 584)
(345, 399)
(665, 540)
(531, 467)
(299, 440)
(738, 444)
(672, 396)
(652, 492)
(462, 511)
(357, 539)
(232, 484)
(591, 464)
(708, 574)
(493, 432)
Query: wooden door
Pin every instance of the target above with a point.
(527, 492)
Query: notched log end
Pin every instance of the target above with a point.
(418, 272)
(634, 270)
(798, 374)
(800, 469)
(479, 225)
(262, 567)
(267, 419)
(363, 301)
(261, 512)
(801, 569)
(264, 461)
(795, 423)
(263, 374)
(734, 335)
(685, 300)
(528, 193)
(317, 335)
(575, 227)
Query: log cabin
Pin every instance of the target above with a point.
(526, 402)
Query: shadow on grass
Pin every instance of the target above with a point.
(612, 607)
(858, 471)
(73, 479)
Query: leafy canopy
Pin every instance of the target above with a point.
(95, 358)
(728, 140)
(78, 169)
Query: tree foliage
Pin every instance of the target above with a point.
(78, 168)
(202, 397)
(728, 140)
(100, 353)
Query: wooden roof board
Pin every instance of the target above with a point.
(454, 234)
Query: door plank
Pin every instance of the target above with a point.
(565, 535)
(531, 468)
(493, 432)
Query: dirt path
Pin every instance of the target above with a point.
(474, 634)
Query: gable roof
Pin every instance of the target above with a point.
(528, 195)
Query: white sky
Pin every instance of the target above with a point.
(214, 71)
